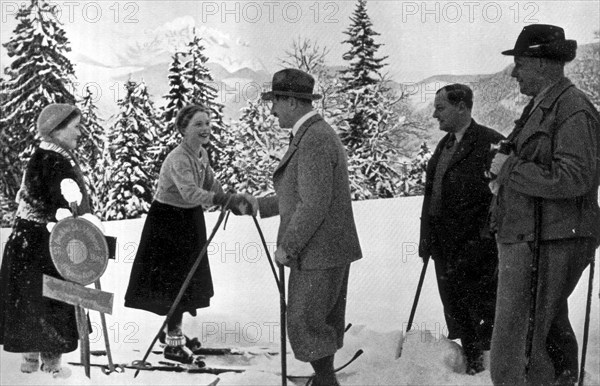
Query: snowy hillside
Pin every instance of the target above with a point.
(245, 311)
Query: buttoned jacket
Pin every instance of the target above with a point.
(465, 193)
(556, 158)
(317, 227)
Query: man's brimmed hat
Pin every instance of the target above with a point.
(293, 83)
(544, 41)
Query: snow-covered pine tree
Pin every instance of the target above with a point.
(203, 92)
(365, 117)
(38, 75)
(364, 127)
(179, 93)
(177, 97)
(92, 150)
(257, 147)
(414, 180)
(130, 175)
(364, 65)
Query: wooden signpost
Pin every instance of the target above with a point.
(80, 254)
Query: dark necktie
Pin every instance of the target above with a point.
(291, 138)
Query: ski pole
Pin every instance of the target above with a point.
(186, 283)
(262, 238)
(282, 321)
(537, 236)
(282, 306)
(586, 328)
(414, 306)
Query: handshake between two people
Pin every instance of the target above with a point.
(239, 203)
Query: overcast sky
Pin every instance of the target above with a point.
(421, 38)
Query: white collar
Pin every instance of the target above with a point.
(461, 133)
(301, 121)
(45, 145)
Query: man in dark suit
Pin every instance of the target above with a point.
(454, 230)
(317, 236)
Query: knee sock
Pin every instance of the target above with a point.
(323, 366)
(31, 362)
(175, 331)
(51, 361)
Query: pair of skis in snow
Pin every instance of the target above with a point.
(143, 365)
(195, 369)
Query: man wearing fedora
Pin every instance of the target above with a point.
(317, 237)
(554, 166)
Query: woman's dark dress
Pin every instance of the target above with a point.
(30, 322)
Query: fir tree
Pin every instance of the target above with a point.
(202, 92)
(364, 65)
(364, 128)
(256, 147)
(130, 175)
(367, 116)
(177, 98)
(38, 75)
(179, 94)
(91, 152)
(414, 178)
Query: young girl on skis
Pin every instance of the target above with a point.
(175, 232)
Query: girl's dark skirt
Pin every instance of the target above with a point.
(30, 322)
(171, 241)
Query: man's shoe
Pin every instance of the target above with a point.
(566, 378)
(474, 368)
(474, 358)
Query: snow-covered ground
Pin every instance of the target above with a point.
(245, 311)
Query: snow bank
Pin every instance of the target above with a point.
(245, 311)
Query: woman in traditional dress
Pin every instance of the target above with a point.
(29, 322)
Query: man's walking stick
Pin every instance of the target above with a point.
(535, 265)
(186, 283)
(586, 328)
(414, 307)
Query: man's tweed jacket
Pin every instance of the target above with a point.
(317, 227)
